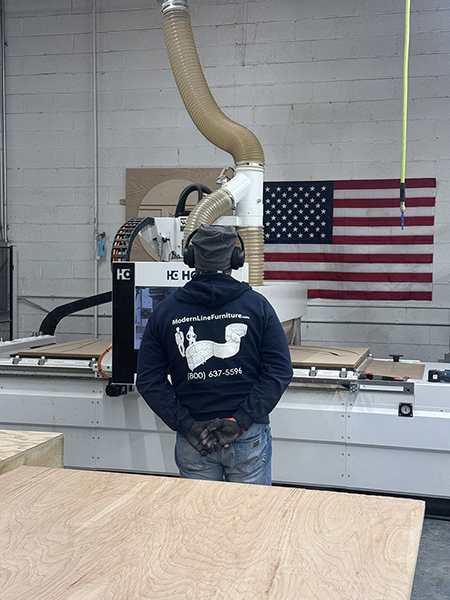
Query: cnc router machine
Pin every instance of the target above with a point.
(346, 421)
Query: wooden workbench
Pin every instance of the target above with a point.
(84, 535)
(35, 448)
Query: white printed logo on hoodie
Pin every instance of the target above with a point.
(198, 352)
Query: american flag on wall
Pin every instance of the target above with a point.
(345, 238)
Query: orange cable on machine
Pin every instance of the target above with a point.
(121, 247)
(99, 362)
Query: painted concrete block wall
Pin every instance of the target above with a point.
(319, 83)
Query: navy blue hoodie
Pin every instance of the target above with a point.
(224, 348)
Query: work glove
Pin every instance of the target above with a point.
(226, 431)
(193, 437)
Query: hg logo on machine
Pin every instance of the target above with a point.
(179, 275)
(123, 274)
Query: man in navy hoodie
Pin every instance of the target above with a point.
(228, 360)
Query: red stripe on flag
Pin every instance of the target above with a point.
(381, 202)
(357, 295)
(382, 222)
(382, 240)
(333, 276)
(348, 258)
(383, 184)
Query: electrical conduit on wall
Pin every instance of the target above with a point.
(95, 157)
(3, 199)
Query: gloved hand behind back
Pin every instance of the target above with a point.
(226, 431)
(193, 436)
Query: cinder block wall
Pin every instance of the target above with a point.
(319, 82)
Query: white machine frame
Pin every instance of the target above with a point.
(328, 431)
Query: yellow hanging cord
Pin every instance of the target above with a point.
(405, 111)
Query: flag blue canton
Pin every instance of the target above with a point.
(298, 212)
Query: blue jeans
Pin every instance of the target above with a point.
(247, 460)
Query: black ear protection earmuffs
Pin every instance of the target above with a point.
(237, 256)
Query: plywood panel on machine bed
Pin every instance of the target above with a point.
(353, 358)
(317, 356)
(72, 535)
(77, 349)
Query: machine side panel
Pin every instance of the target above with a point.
(391, 453)
(49, 401)
(381, 426)
(309, 463)
(312, 415)
(308, 428)
(136, 450)
(129, 412)
(132, 438)
(399, 471)
(433, 395)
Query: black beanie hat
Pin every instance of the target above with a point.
(213, 247)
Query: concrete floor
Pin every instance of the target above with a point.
(432, 577)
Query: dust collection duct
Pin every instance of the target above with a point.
(243, 193)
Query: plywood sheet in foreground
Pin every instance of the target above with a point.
(82, 534)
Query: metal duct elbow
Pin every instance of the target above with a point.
(221, 131)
